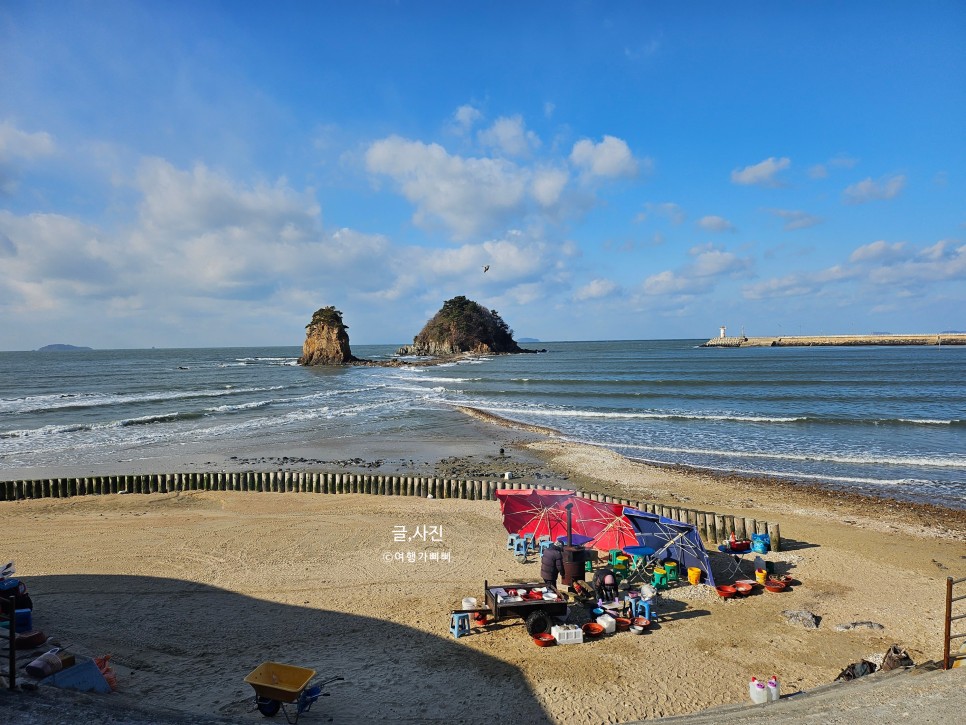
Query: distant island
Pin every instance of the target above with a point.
(61, 347)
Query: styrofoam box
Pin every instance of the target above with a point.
(607, 622)
(567, 636)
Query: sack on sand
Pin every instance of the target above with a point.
(896, 658)
(103, 664)
(856, 669)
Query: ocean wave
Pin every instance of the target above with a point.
(827, 478)
(870, 459)
(34, 403)
(626, 415)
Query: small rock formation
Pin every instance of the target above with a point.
(460, 326)
(857, 625)
(326, 340)
(802, 617)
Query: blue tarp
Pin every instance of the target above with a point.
(671, 539)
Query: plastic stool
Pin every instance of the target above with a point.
(520, 547)
(528, 540)
(588, 566)
(459, 624)
(640, 607)
(671, 567)
(511, 541)
(613, 554)
(659, 579)
(544, 545)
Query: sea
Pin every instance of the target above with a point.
(887, 421)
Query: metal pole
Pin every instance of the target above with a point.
(948, 621)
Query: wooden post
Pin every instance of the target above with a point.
(740, 531)
(749, 527)
(729, 524)
(775, 537)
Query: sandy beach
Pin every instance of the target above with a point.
(190, 591)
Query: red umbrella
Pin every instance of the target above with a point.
(604, 522)
(536, 512)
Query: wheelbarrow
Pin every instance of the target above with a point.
(276, 685)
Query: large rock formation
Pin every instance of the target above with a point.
(462, 325)
(326, 340)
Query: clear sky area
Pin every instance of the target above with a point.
(185, 174)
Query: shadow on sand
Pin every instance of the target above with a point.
(188, 646)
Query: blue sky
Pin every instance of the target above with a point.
(207, 174)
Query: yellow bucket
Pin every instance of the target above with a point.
(761, 575)
(694, 575)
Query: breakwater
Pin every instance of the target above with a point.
(713, 527)
(837, 340)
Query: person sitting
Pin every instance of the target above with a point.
(605, 585)
(551, 564)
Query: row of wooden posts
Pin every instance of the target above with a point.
(714, 527)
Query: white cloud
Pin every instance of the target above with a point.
(795, 219)
(16, 147)
(893, 269)
(668, 283)
(869, 190)
(596, 289)
(548, 185)
(466, 115)
(714, 223)
(710, 264)
(548, 109)
(203, 200)
(610, 158)
(820, 171)
(509, 135)
(15, 143)
(467, 194)
(668, 209)
(877, 251)
(762, 173)
(710, 261)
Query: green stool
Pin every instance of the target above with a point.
(659, 579)
(671, 567)
(588, 566)
(613, 554)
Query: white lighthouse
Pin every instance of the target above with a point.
(722, 334)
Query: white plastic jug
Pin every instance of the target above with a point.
(757, 691)
(773, 688)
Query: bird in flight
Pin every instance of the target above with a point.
(486, 268)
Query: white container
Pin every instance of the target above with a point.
(469, 603)
(567, 634)
(757, 691)
(774, 689)
(607, 622)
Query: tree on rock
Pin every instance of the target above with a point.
(463, 325)
(326, 339)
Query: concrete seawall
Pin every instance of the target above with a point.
(713, 527)
(837, 340)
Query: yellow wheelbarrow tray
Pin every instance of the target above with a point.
(276, 681)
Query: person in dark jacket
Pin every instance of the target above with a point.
(551, 564)
(605, 585)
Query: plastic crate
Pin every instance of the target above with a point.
(564, 635)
